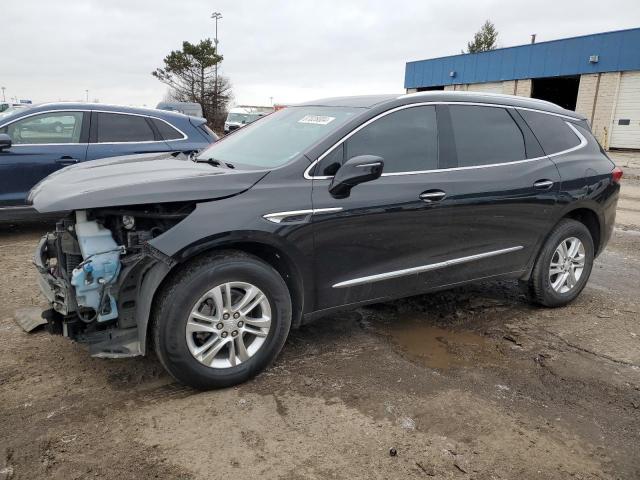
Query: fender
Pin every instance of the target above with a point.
(151, 279)
(586, 204)
(242, 222)
(154, 276)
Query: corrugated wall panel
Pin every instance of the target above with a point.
(508, 66)
(617, 51)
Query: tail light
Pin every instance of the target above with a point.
(616, 175)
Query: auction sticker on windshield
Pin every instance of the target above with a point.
(316, 119)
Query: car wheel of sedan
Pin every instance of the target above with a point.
(222, 320)
(563, 266)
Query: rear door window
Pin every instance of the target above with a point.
(485, 136)
(552, 131)
(116, 127)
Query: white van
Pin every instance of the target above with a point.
(188, 108)
(243, 115)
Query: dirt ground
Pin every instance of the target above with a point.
(472, 383)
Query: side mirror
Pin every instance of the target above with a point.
(5, 141)
(355, 171)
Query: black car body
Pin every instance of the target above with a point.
(349, 200)
(38, 141)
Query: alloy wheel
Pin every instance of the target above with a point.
(228, 324)
(567, 265)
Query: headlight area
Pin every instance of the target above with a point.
(90, 270)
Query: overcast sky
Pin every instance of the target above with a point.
(289, 50)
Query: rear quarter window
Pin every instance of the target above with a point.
(167, 132)
(552, 131)
(208, 132)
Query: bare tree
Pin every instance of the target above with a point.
(190, 75)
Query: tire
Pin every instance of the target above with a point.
(211, 278)
(545, 285)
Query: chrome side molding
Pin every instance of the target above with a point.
(423, 268)
(302, 215)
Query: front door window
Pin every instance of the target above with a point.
(46, 128)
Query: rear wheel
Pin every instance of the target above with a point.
(563, 266)
(222, 320)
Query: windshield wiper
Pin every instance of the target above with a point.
(216, 163)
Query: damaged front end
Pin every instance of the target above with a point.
(93, 268)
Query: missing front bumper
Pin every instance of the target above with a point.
(105, 341)
(57, 291)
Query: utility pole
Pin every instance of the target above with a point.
(216, 16)
(4, 99)
(87, 93)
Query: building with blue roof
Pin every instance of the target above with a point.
(596, 75)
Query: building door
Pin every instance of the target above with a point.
(625, 131)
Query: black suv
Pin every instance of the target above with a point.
(322, 206)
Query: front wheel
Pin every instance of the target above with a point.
(563, 266)
(222, 320)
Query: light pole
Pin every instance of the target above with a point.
(4, 99)
(216, 16)
(87, 95)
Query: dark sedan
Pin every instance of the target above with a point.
(38, 141)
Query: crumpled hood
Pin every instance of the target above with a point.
(137, 180)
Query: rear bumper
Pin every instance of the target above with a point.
(609, 221)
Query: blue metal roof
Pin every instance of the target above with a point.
(617, 51)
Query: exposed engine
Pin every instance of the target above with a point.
(99, 269)
(91, 264)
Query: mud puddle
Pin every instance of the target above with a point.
(438, 347)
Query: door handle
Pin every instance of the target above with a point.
(431, 196)
(67, 160)
(543, 184)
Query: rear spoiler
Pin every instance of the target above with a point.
(197, 121)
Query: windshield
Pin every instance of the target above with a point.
(11, 110)
(279, 137)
